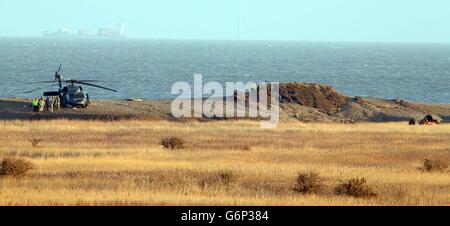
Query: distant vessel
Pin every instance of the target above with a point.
(61, 32)
(117, 32)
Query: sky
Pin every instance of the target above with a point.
(422, 21)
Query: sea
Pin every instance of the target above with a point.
(147, 69)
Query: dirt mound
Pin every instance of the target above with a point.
(317, 96)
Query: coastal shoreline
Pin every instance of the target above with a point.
(361, 110)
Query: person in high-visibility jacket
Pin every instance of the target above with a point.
(253, 87)
(35, 105)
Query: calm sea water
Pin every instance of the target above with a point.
(148, 68)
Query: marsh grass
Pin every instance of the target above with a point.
(35, 142)
(123, 163)
(222, 178)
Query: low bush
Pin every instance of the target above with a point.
(15, 167)
(309, 183)
(433, 166)
(227, 177)
(355, 187)
(173, 143)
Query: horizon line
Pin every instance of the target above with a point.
(226, 39)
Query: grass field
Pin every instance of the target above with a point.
(224, 163)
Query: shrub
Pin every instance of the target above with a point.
(173, 143)
(309, 183)
(227, 177)
(434, 166)
(35, 142)
(246, 148)
(15, 167)
(354, 187)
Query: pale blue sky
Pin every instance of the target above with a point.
(308, 20)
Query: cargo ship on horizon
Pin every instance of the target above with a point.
(117, 32)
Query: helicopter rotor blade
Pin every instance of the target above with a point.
(43, 82)
(58, 76)
(32, 91)
(97, 86)
(78, 81)
(96, 81)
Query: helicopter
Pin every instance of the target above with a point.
(70, 92)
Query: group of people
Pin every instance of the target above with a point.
(49, 104)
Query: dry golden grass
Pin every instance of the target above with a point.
(225, 163)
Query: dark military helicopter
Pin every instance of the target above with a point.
(71, 94)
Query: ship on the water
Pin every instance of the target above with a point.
(116, 32)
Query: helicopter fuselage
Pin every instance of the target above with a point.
(74, 96)
(71, 96)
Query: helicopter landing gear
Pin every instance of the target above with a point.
(88, 101)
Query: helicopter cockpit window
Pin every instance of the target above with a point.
(79, 95)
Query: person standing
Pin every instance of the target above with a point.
(51, 106)
(253, 87)
(41, 104)
(47, 104)
(57, 103)
(35, 105)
